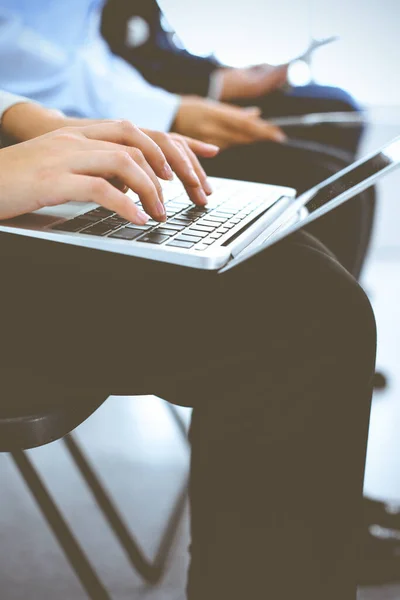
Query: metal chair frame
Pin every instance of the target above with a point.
(150, 571)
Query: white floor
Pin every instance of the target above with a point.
(383, 464)
(382, 478)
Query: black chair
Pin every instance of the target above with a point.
(19, 432)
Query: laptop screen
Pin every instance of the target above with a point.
(313, 203)
(355, 175)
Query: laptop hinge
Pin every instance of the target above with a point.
(259, 226)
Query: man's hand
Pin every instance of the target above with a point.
(252, 82)
(78, 163)
(25, 121)
(222, 124)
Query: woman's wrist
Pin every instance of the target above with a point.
(26, 120)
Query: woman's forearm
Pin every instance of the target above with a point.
(26, 120)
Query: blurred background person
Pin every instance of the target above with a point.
(138, 31)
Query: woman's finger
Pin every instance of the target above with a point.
(141, 161)
(85, 188)
(182, 165)
(135, 154)
(119, 164)
(176, 158)
(127, 134)
(199, 148)
(200, 172)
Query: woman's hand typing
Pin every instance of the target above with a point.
(78, 163)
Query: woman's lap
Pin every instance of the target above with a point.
(127, 326)
(276, 356)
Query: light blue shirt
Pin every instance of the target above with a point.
(52, 51)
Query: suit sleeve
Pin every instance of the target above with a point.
(158, 58)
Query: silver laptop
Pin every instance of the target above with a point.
(240, 220)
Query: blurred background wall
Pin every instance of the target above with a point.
(365, 60)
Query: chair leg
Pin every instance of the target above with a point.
(151, 572)
(69, 544)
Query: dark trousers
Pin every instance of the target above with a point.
(275, 356)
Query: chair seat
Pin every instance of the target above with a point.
(30, 431)
(34, 411)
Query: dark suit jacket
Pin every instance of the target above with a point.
(159, 59)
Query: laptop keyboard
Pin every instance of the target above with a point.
(187, 226)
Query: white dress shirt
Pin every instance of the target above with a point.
(52, 51)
